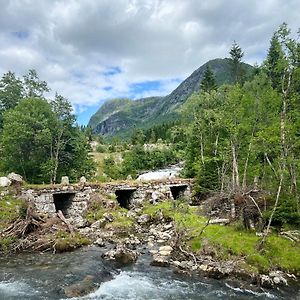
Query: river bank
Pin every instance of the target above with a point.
(173, 236)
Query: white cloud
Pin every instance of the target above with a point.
(73, 44)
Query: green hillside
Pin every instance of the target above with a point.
(120, 116)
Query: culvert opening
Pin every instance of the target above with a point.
(124, 197)
(178, 191)
(63, 201)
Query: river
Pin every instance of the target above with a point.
(44, 276)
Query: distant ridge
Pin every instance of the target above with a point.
(120, 116)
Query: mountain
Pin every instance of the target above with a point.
(121, 116)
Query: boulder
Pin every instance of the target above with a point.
(278, 277)
(15, 178)
(5, 182)
(121, 255)
(81, 288)
(165, 250)
(82, 180)
(160, 261)
(99, 242)
(266, 281)
(65, 180)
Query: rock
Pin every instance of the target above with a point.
(121, 255)
(176, 263)
(160, 261)
(156, 195)
(5, 182)
(65, 180)
(131, 214)
(266, 281)
(81, 288)
(82, 180)
(129, 177)
(165, 248)
(164, 253)
(99, 242)
(168, 226)
(160, 241)
(78, 222)
(143, 219)
(99, 224)
(278, 277)
(109, 217)
(15, 178)
(203, 268)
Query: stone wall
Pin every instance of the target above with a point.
(43, 200)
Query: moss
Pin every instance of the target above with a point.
(67, 242)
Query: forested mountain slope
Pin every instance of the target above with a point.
(120, 116)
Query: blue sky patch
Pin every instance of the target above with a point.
(22, 35)
(112, 71)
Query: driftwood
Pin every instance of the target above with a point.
(21, 227)
(292, 235)
(62, 217)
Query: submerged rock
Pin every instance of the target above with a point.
(81, 288)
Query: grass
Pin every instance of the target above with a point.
(230, 241)
(66, 242)
(120, 221)
(11, 209)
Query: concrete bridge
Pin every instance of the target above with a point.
(73, 199)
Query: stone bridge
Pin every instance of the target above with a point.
(73, 200)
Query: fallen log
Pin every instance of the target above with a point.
(62, 217)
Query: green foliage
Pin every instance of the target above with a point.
(287, 211)
(208, 82)
(236, 55)
(10, 210)
(39, 139)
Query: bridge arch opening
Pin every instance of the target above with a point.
(124, 197)
(63, 202)
(178, 191)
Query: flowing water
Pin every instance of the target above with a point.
(43, 276)
(166, 173)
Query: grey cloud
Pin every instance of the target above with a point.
(146, 39)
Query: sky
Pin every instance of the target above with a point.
(93, 50)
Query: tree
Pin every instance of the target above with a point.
(41, 142)
(11, 93)
(274, 63)
(26, 139)
(236, 55)
(208, 82)
(33, 86)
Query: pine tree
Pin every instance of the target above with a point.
(208, 82)
(236, 55)
(274, 62)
